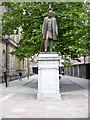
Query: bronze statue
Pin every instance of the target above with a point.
(49, 30)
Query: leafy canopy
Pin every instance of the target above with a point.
(72, 20)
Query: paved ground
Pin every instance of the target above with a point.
(19, 100)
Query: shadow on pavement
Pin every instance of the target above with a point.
(32, 84)
(69, 87)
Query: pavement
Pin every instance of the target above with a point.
(19, 99)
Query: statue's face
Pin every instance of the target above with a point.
(50, 14)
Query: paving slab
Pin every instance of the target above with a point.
(19, 100)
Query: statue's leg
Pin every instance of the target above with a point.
(46, 43)
(51, 44)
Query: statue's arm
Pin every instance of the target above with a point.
(43, 26)
(56, 28)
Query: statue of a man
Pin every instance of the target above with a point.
(49, 30)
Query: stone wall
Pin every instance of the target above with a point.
(80, 70)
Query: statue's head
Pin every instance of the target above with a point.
(50, 13)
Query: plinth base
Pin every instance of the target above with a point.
(49, 97)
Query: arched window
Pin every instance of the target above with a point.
(12, 61)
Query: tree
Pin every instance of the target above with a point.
(72, 20)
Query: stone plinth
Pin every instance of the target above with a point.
(48, 77)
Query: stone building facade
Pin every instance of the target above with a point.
(13, 63)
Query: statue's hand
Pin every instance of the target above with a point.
(56, 34)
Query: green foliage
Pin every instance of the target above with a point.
(67, 63)
(72, 20)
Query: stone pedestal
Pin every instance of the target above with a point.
(48, 77)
